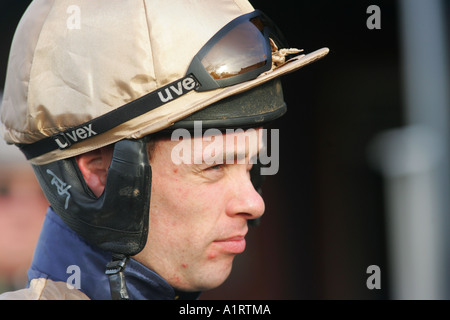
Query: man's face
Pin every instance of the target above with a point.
(199, 210)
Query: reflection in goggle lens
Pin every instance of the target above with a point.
(239, 51)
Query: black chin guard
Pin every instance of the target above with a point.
(117, 221)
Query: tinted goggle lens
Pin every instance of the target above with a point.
(240, 51)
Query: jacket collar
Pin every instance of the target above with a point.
(61, 255)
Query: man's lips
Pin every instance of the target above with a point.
(235, 244)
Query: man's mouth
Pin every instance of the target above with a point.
(235, 244)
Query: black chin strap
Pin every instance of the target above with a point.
(114, 271)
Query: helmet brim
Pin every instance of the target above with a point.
(251, 108)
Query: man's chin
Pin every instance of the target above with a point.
(210, 279)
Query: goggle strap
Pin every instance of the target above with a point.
(112, 119)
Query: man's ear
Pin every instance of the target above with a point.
(94, 167)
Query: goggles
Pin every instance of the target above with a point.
(238, 52)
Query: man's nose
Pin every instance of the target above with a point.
(246, 201)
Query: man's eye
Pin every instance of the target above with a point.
(216, 167)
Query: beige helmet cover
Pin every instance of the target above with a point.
(64, 72)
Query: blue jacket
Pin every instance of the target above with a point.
(60, 251)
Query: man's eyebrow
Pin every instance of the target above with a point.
(232, 157)
(230, 152)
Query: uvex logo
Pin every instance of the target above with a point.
(65, 140)
(179, 88)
